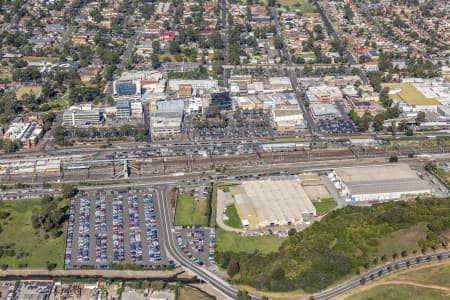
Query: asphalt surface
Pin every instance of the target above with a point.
(293, 77)
(171, 245)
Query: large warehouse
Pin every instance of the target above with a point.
(378, 183)
(275, 202)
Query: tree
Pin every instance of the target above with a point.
(420, 117)
(364, 122)
(278, 43)
(378, 121)
(292, 231)
(156, 45)
(155, 61)
(51, 266)
(174, 48)
(242, 295)
(393, 159)
(233, 268)
(409, 131)
(68, 191)
(354, 116)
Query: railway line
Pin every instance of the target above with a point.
(133, 168)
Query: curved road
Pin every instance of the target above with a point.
(172, 249)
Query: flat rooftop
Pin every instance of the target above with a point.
(275, 201)
(381, 179)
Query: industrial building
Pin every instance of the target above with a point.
(378, 183)
(273, 202)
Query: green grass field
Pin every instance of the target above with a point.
(409, 94)
(39, 59)
(190, 211)
(5, 73)
(231, 241)
(398, 292)
(233, 217)
(397, 285)
(23, 90)
(303, 5)
(17, 229)
(435, 275)
(324, 206)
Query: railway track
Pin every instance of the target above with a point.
(188, 164)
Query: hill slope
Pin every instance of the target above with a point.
(342, 243)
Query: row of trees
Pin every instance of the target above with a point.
(66, 136)
(51, 216)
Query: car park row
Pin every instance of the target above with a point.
(112, 227)
(197, 243)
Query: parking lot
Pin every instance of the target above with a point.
(197, 243)
(114, 227)
(221, 125)
(337, 126)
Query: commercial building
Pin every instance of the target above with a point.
(123, 109)
(273, 202)
(206, 84)
(378, 183)
(167, 117)
(323, 111)
(27, 132)
(323, 93)
(288, 119)
(222, 101)
(82, 116)
(126, 87)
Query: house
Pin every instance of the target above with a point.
(88, 74)
(42, 40)
(55, 28)
(79, 39)
(371, 66)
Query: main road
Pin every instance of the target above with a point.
(312, 127)
(173, 251)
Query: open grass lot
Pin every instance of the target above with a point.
(231, 241)
(431, 281)
(23, 90)
(398, 292)
(444, 176)
(409, 94)
(435, 275)
(190, 211)
(402, 240)
(233, 217)
(324, 206)
(17, 229)
(187, 293)
(59, 103)
(32, 59)
(303, 5)
(5, 73)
